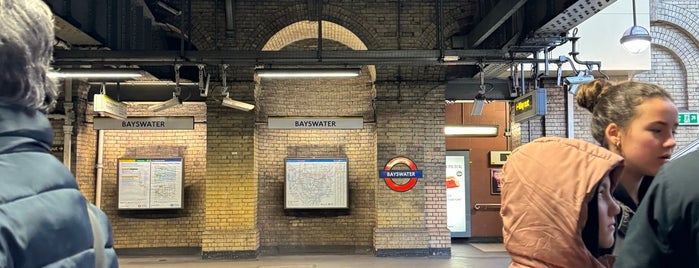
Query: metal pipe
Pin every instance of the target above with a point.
(399, 9)
(320, 30)
(256, 58)
(570, 115)
(486, 206)
(521, 76)
(440, 37)
(100, 168)
(68, 123)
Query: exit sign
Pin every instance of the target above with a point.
(689, 119)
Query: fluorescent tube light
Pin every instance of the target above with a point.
(95, 73)
(307, 73)
(231, 103)
(473, 131)
(175, 101)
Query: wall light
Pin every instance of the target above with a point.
(635, 39)
(472, 131)
(95, 73)
(308, 73)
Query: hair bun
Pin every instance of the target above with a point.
(589, 93)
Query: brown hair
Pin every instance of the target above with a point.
(615, 103)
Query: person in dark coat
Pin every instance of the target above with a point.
(665, 230)
(44, 218)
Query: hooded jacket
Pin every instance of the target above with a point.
(546, 189)
(43, 216)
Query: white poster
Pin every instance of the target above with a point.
(316, 183)
(150, 183)
(456, 194)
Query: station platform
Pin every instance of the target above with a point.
(463, 255)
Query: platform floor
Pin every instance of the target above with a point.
(462, 256)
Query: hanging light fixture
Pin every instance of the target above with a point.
(635, 39)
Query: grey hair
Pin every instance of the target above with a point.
(26, 48)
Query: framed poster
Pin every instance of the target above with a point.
(150, 183)
(458, 193)
(495, 181)
(313, 183)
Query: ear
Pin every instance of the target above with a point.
(612, 134)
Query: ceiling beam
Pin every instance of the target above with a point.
(502, 11)
(257, 58)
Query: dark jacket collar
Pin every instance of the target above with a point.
(623, 196)
(20, 127)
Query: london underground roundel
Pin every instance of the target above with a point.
(388, 174)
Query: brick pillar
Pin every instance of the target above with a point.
(230, 228)
(412, 223)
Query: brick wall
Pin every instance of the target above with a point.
(410, 122)
(85, 146)
(231, 180)
(148, 229)
(316, 98)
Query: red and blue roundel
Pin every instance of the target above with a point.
(388, 175)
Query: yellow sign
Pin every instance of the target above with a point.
(523, 105)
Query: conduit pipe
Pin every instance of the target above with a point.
(100, 167)
(68, 123)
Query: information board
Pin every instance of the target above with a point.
(153, 183)
(316, 184)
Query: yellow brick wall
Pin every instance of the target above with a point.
(160, 228)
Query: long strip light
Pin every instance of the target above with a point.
(307, 73)
(95, 73)
(472, 131)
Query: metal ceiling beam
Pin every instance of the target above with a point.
(256, 58)
(502, 11)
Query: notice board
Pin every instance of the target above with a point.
(150, 183)
(316, 183)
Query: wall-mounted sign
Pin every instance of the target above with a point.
(312, 183)
(315, 122)
(105, 105)
(57, 148)
(388, 174)
(150, 183)
(146, 123)
(530, 105)
(499, 157)
(688, 118)
(495, 181)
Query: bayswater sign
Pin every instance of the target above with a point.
(146, 123)
(315, 122)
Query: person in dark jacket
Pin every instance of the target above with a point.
(636, 120)
(44, 218)
(665, 230)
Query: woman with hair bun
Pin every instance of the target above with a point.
(638, 121)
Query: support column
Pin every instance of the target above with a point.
(230, 228)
